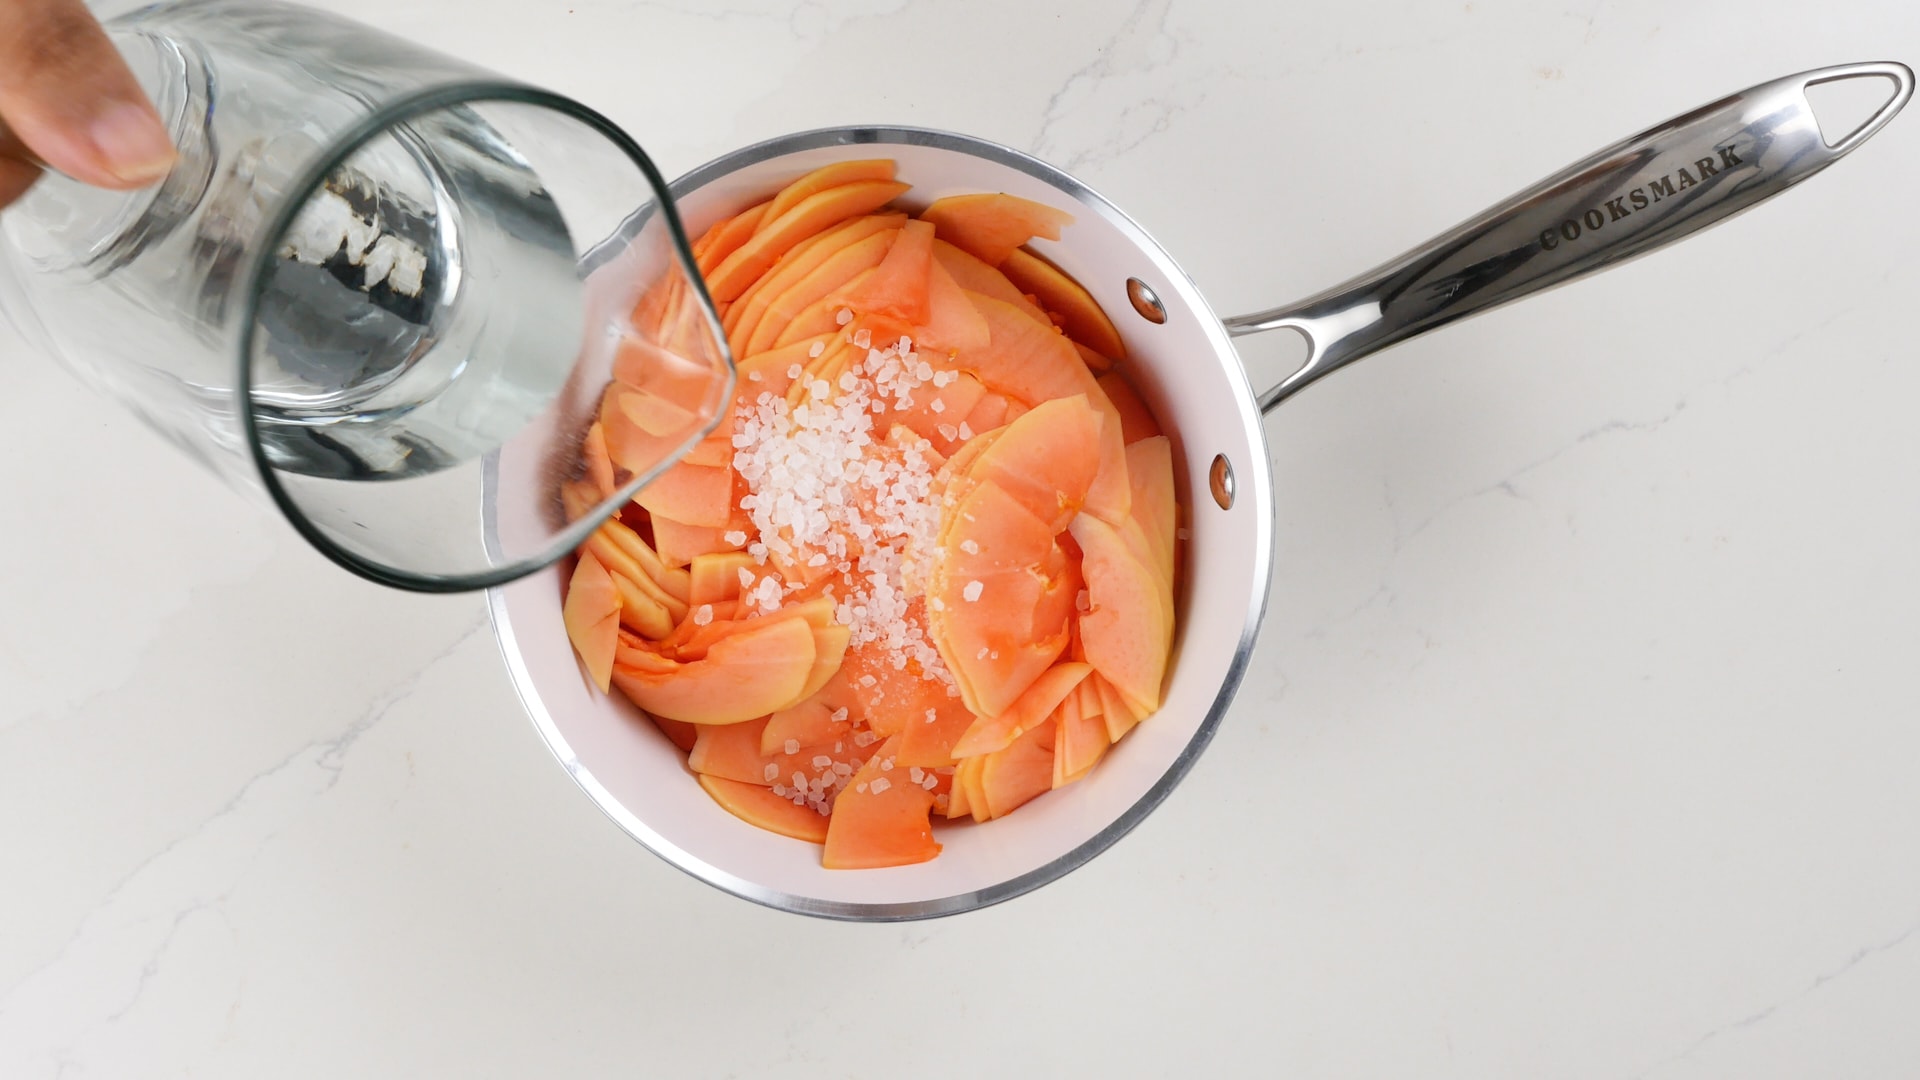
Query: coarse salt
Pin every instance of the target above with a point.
(822, 761)
(772, 772)
(794, 370)
(791, 746)
(862, 339)
(817, 348)
(970, 546)
(703, 615)
(965, 431)
(843, 317)
(879, 784)
(940, 406)
(972, 591)
(736, 537)
(914, 774)
(1083, 601)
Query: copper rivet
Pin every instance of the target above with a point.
(1220, 478)
(1145, 301)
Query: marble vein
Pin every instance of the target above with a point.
(1761, 1015)
(58, 1004)
(1131, 65)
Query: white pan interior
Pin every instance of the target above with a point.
(1188, 373)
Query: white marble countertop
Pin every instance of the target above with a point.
(1581, 740)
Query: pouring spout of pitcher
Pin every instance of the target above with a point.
(1636, 196)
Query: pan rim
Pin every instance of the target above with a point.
(1257, 499)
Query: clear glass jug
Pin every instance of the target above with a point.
(372, 267)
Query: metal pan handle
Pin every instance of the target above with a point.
(1637, 195)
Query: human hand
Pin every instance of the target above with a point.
(68, 102)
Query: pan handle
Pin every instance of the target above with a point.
(1637, 195)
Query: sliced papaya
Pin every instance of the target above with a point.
(881, 818)
(898, 287)
(829, 176)
(1126, 630)
(810, 215)
(1080, 315)
(743, 676)
(1034, 707)
(990, 226)
(592, 617)
(755, 805)
(1011, 777)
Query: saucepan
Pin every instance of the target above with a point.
(1639, 194)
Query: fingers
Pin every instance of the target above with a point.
(71, 101)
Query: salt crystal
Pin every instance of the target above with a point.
(879, 785)
(862, 339)
(938, 405)
(1083, 601)
(736, 537)
(972, 591)
(838, 714)
(914, 774)
(868, 681)
(947, 431)
(970, 546)
(819, 559)
(841, 768)
(844, 317)
(994, 655)
(820, 388)
(753, 376)
(799, 779)
(941, 802)
(703, 615)
(793, 371)
(865, 738)
(965, 431)
(791, 746)
(822, 761)
(746, 577)
(772, 773)
(982, 655)
(817, 348)
(944, 770)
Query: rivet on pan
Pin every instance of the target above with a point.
(1220, 478)
(1145, 301)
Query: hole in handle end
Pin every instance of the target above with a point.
(1851, 103)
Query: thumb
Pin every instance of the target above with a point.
(70, 99)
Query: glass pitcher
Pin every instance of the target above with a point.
(371, 268)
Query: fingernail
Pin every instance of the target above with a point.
(133, 144)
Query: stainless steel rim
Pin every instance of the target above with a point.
(1248, 415)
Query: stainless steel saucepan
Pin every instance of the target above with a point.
(1630, 198)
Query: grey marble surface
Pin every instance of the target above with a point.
(1580, 742)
